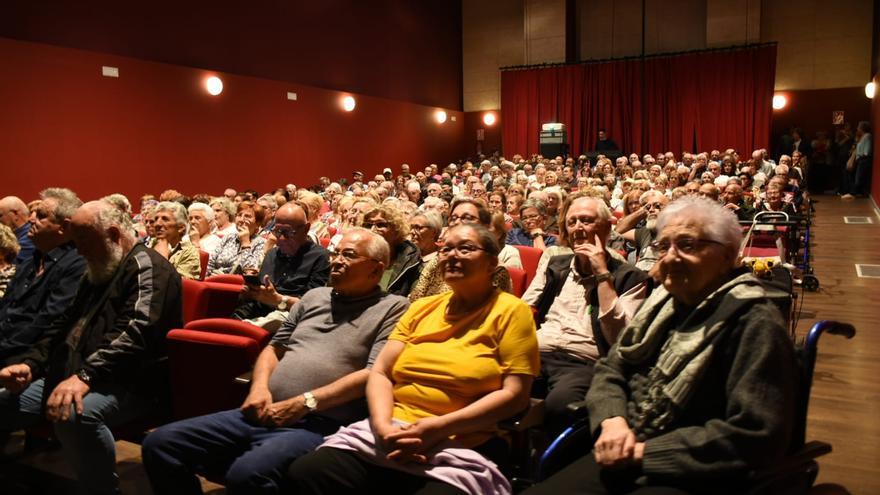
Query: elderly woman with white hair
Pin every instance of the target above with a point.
(201, 222)
(224, 217)
(424, 230)
(169, 227)
(699, 388)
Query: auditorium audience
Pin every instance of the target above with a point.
(455, 365)
(583, 293)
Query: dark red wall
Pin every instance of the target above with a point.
(811, 110)
(155, 127)
(403, 50)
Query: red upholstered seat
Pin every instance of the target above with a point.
(519, 280)
(203, 367)
(530, 257)
(203, 263)
(226, 279)
(208, 300)
(325, 241)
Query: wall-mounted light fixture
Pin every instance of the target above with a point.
(440, 116)
(779, 102)
(870, 89)
(214, 85)
(489, 118)
(348, 103)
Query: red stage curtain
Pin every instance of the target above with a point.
(715, 100)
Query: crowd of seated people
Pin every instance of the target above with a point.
(420, 319)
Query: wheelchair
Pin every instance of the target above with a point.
(794, 475)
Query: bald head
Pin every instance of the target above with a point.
(13, 212)
(291, 228)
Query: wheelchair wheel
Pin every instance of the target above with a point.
(811, 283)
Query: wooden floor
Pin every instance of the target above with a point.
(845, 404)
(845, 401)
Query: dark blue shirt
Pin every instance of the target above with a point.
(519, 237)
(25, 243)
(33, 302)
(294, 275)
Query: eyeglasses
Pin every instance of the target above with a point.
(418, 228)
(463, 250)
(284, 231)
(466, 218)
(532, 217)
(349, 255)
(684, 245)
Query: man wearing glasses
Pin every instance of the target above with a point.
(650, 205)
(307, 382)
(290, 269)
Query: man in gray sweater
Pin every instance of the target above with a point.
(306, 383)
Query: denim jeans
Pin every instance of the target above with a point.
(249, 458)
(86, 440)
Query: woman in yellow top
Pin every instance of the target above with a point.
(455, 365)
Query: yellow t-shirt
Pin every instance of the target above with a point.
(448, 364)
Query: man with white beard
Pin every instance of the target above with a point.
(650, 205)
(102, 362)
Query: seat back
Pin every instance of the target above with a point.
(226, 279)
(208, 300)
(519, 280)
(530, 257)
(203, 366)
(203, 264)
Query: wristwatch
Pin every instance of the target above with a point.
(84, 376)
(603, 277)
(310, 401)
(284, 305)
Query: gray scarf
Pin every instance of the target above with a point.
(685, 349)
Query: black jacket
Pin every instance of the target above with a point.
(33, 303)
(116, 331)
(624, 276)
(408, 263)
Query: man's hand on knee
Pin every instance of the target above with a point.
(70, 391)
(16, 377)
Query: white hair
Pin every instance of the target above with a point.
(205, 209)
(432, 218)
(717, 222)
